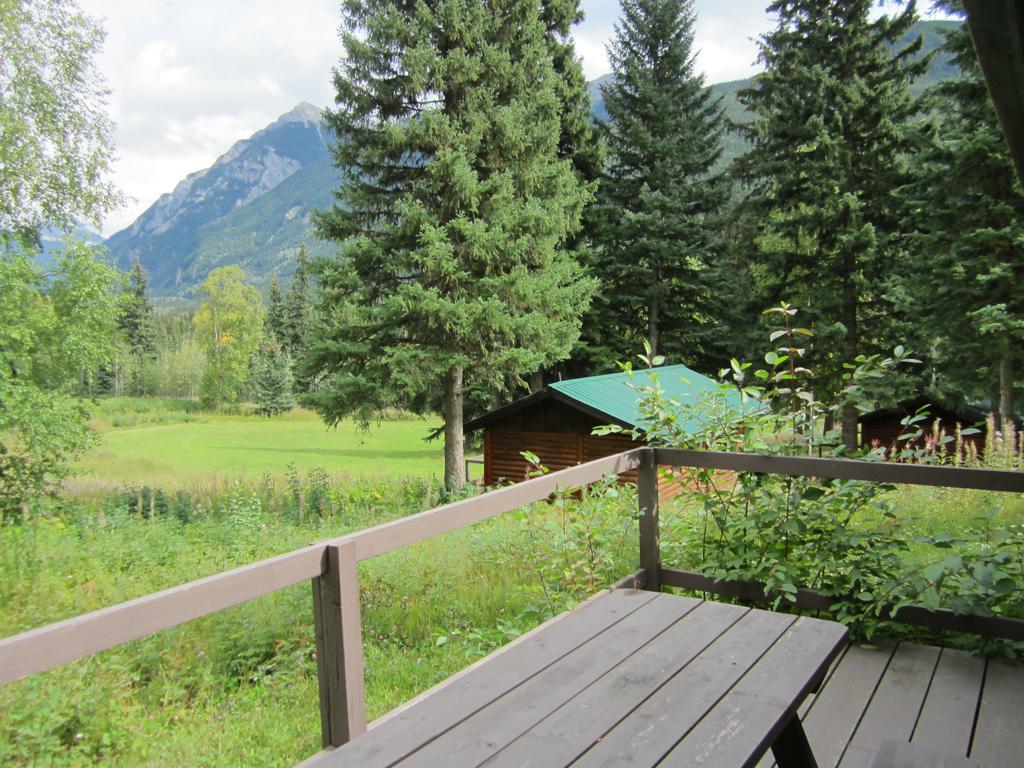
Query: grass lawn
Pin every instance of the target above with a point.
(200, 448)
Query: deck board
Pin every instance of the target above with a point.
(947, 717)
(999, 733)
(838, 707)
(893, 710)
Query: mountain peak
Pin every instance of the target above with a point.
(303, 112)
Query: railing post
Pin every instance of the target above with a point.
(339, 648)
(647, 500)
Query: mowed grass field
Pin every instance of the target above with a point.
(168, 444)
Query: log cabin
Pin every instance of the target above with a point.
(557, 423)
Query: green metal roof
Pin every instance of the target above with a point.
(614, 394)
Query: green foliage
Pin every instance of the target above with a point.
(843, 538)
(58, 327)
(966, 225)
(229, 325)
(55, 137)
(272, 380)
(829, 143)
(655, 218)
(453, 214)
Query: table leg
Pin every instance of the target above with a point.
(791, 749)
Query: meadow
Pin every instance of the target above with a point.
(171, 444)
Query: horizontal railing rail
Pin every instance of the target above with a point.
(331, 567)
(846, 469)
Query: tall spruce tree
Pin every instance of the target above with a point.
(296, 307)
(656, 213)
(452, 214)
(967, 215)
(829, 137)
(272, 379)
(136, 324)
(277, 324)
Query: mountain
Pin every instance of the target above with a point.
(252, 206)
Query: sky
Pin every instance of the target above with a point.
(188, 78)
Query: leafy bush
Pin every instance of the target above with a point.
(844, 538)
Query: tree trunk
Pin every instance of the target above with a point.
(454, 441)
(1006, 390)
(536, 381)
(653, 312)
(849, 288)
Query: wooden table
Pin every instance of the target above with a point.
(629, 678)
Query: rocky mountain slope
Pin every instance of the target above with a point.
(252, 206)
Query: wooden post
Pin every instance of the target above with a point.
(647, 499)
(339, 649)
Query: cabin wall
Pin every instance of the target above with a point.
(560, 436)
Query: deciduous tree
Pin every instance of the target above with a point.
(55, 135)
(229, 325)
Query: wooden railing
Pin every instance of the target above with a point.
(332, 568)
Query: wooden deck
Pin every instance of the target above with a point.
(943, 700)
(634, 678)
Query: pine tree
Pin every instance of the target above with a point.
(452, 214)
(967, 215)
(656, 215)
(272, 380)
(829, 139)
(296, 308)
(137, 327)
(276, 320)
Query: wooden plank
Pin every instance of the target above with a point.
(46, 647)
(416, 725)
(647, 500)
(900, 754)
(651, 730)
(838, 707)
(762, 703)
(947, 718)
(847, 469)
(999, 733)
(490, 729)
(409, 530)
(894, 709)
(569, 731)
